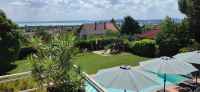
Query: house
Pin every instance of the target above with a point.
(151, 34)
(97, 28)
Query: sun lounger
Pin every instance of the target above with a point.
(189, 84)
(162, 90)
(176, 89)
(197, 89)
(185, 84)
(186, 89)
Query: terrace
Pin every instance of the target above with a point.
(94, 55)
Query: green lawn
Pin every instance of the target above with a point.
(91, 63)
(21, 66)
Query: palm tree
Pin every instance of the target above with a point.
(53, 66)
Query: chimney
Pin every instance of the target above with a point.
(104, 25)
(95, 26)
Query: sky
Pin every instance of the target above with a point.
(63, 10)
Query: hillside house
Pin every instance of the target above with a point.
(97, 29)
(151, 34)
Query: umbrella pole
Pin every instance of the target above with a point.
(164, 82)
(196, 78)
(197, 75)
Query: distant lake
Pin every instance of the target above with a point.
(52, 23)
(72, 23)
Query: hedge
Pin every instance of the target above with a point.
(99, 44)
(145, 47)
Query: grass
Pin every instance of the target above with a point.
(91, 63)
(21, 66)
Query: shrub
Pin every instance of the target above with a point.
(185, 49)
(115, 47)
(18, 85)
(172, 37)
(46, 36)
(100, 44)
(110, 33)
(194, 46)
(145, 47)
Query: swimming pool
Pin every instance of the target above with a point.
(89, 87)
(175, 79)
(172, 79)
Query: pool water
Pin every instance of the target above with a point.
(175, 79)
(89, 87)
(172, 79)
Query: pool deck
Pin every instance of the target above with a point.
(172, 89)
(92, 76)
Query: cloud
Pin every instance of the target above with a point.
(18, 3)
(36, 3)
(27, 10)
(30, 3)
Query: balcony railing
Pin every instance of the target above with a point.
(23, 75)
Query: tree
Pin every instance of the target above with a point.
(5, 23)
(130, 26)
(52, 64)
(113, 21)
(192, 10)
(9, 42)
(172, 37)
(185, 6)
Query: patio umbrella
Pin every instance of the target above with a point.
(190, 57)
(167, 65)
(126, 78)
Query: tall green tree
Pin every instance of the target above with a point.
(192, 10)
(172, 37)
(9, 42)
(130, 26)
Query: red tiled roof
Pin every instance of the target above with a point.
(150, 34)
(88, 27)
(111, 27)
(100, 27)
